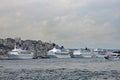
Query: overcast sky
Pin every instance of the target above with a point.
(71, 23)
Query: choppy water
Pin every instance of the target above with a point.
(60, 69)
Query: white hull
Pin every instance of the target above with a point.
(86, 54)
(77, 56)
(20, 56)
(89, 55)
(82, 54)
(112, 57)
(59, 56)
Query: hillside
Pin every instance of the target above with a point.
(38, 47)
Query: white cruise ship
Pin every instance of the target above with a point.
(57, 53)
(83, 54)
(20, 54)
(86, 53)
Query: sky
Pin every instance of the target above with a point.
(68, 23)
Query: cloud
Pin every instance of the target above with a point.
(73, 23)
(70, 29)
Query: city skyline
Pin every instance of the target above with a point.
(71, 23)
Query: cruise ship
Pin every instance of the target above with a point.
(18, 53)
(58, 53)
(83, 54)
(86, 53)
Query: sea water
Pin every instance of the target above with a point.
(60, 69)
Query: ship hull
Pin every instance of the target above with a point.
(112, 57)
(20, 56)
(59, 56)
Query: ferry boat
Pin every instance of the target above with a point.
(18, 53)
(58, 53)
